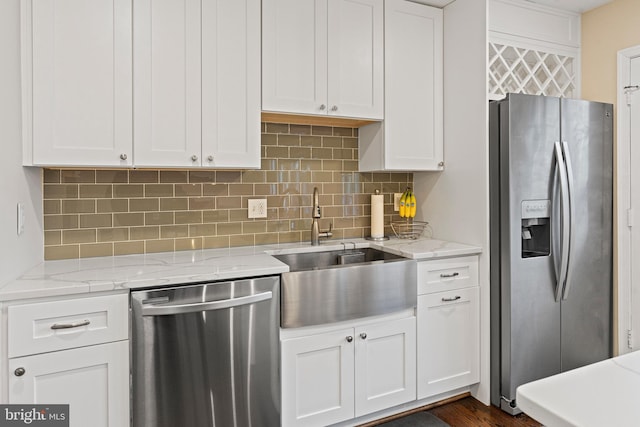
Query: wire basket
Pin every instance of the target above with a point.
(408, 229)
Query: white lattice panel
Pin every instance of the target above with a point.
(520, 70)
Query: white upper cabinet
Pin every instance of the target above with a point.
(323, 57)
(197, 83)
(411, 136)
(76, 70)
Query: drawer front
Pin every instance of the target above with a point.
(445, 274)
(57, 325)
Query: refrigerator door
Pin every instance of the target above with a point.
(587, 298)
(530, 316)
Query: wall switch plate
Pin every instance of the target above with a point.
(396, 201)
(257, 208)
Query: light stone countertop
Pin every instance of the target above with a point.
(80, 276)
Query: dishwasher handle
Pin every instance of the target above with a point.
(164, 310)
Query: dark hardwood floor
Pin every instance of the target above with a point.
(469, 412)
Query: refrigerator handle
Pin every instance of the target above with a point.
(572, 215)
(561, 273)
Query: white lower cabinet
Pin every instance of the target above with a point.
(344, 373)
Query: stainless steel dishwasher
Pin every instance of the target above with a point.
(207, 355)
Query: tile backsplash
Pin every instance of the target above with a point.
(101, 212)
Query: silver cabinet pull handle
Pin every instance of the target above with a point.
(349, 338)
(162, 310)
(70, 325)
(19, 372)
(363, 336)
(444, 276)
(456, 298)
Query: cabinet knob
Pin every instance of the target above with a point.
(441, 164)
(210, 158)
(349, 338)
(123, 156)
(334, 108)
(194, 158)
(19, 372)
(322, 107)
(363, 336)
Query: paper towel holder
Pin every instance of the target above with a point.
(382, 238)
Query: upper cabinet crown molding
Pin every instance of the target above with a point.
(323, 57)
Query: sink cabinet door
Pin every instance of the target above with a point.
(385, 365)
(318, 379)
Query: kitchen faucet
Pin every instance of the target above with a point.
(315, 228)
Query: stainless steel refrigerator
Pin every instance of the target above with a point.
(551, 208)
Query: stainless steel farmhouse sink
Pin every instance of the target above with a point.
(332, 286)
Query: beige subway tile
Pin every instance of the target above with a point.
(355, 233)
(307, 187)
(253, 176)
(266, 189)
(332, 211)
(112, 176)
(158, 190)
(305, 236)
(321, 130)
(96, 249)
(332, 165)
(144, 233)
(269, 139)
(365, 176)
(189, 244)
(188, 217)
(128, 190)
(60, 222)
(61, 252)
(356, 210)
(355, 132)
(174, 177)
(342, 176)
(393, 187)
(252, 227)
(401, 177)
(266, 239)
(201, 203)
(278, 176)
(174, 204)
(263, 127)
(51, 207)
(322, 153)
(238, 214)
(128, 248)
(311, 165)
(268, 164)
(215, 189)
(311, 141)
(288, 140)
(300, 129)
(60, 191)
(301, 224)
(128, 219)
(290, 237)
(352, 187)
(344, 199)
(202, 230)
(95, 220)
(200, 176)
(51, 176)
(153, 246)
(228, 177)
(381, 177)
(350, 165)
(331, 142)
(228, 202)
(144, 176)
(215, 242)
(371, 187)
(78, 236)
(289, 188)
(240, 189)
(350, 142)
(300, 152)
(78, 176)
(277, 226)
(331, 188)
(241, 240)
(343, 223)
(112, 205)
(112, 234)
(52, 238)
(337, 131)
(289, 213)
(215, 216)
(319, 177)
(95, 191)
(158, 218)
(277, 128)
(174, 231)
(71, 206)
(188, 190)
(227, 228)
(278, 152)
(343, 153)
(144, 205)
(363, 221)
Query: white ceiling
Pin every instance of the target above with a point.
(579, 6)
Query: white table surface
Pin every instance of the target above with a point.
(604, 394)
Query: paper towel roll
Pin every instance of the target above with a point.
(377, 215)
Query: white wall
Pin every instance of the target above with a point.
(456, 201)
(17, 184)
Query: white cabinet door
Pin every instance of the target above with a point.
(448, 341)
(93, 380)
(294, 56)
(411, 137)
(385, 364)
(323, 57)
(76, 58)
(355, 58)
(231, 83)
(318, 379)
(197, 83)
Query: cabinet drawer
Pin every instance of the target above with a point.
(57, 325)
(444, 274)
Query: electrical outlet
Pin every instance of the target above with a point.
(396, 201)
(257, 208)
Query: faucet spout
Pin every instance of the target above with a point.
(315, 227)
